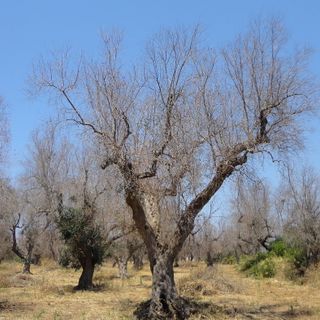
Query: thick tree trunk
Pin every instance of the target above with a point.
(85, 281)
(165, 302)
(26, 267)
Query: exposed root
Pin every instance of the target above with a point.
(180, 309)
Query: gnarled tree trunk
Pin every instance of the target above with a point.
(25, 257)
(85, 281)
(165, 302)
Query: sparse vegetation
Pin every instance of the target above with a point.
(262, 264)
(220, 293)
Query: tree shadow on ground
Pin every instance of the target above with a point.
(203, 310)
(8, 307)
(263, 312)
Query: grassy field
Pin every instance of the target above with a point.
(223, 292)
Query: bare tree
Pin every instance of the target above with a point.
(14, 217)
(123, 250)
(46, 171)
(4, 212)
(203, 242)
(29, 234)
(8, 207)
(301, 212)
(252, 216)
(180, 125)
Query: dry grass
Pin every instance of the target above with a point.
(222, 292)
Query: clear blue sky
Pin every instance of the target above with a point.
(30, 28)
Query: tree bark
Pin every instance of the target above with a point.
(26, 267)
(165, 302)
(85, 281)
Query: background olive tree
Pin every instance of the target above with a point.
(4, 184)
(47, 169)
(8, 209)
(301, 213)
(252, 216)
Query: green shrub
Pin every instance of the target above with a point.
(250, 261)
(298, 263)
(279, 248)
(260, 266)
(263, 269)
(229, 259)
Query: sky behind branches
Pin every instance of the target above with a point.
(29, 29)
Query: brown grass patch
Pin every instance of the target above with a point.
(205, 281)
(219, 293)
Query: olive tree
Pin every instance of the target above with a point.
(87, 222)
(84, 241)
(301, 213)
(8, 207)
(28, 241)
(4, 232)
(19, 229)
(178, 125)
(46, 171)
(252, 216)
(123, 250)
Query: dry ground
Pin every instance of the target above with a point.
(223, 292)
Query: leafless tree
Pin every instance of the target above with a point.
(124, 249)
(4, 204)
(29, 237)
(46, 170)
(17, 230)
(203, 242)
(180, 125)
(301, 212)
(252, 216)
(7, 209)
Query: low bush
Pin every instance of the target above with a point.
(279, 248)
(298, 263)
(229, 259)
(247, 262)
(260, 266)
(263, 269)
